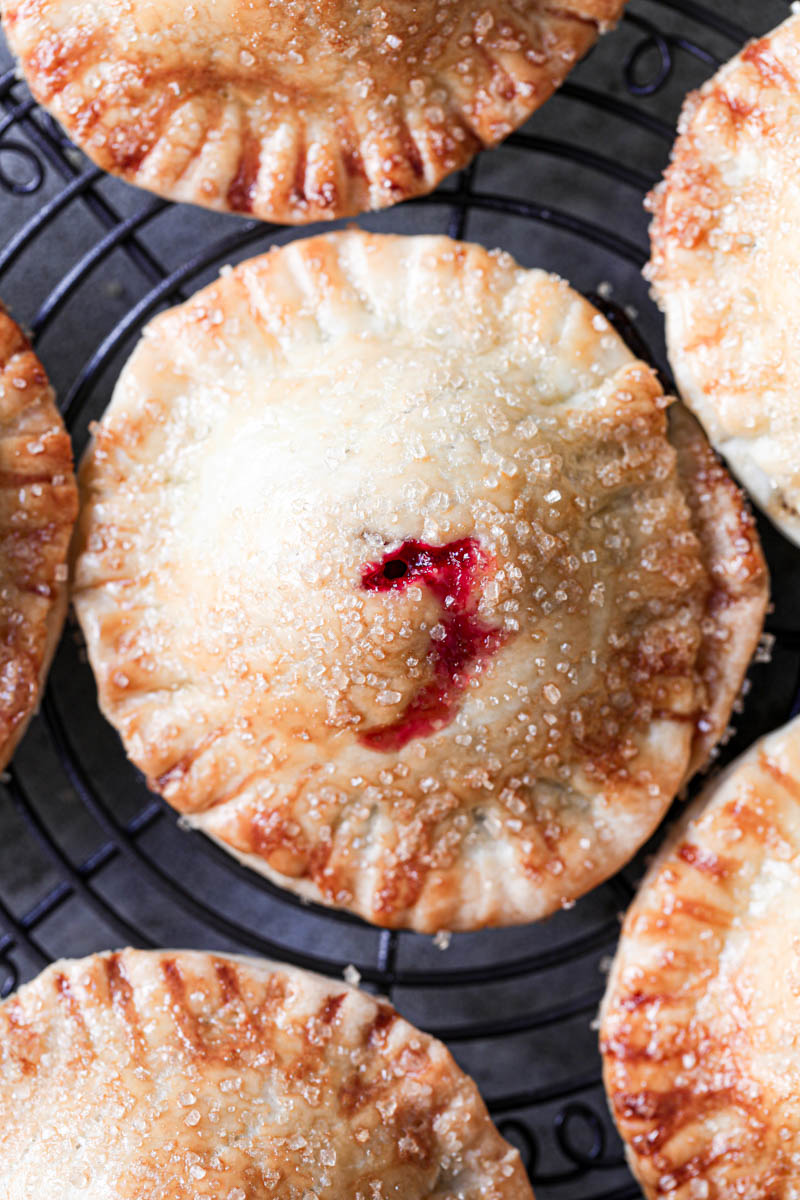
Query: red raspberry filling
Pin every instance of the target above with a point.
(453, 573)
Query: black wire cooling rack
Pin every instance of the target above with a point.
(88, 859)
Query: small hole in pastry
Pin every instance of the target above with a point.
(395, 568)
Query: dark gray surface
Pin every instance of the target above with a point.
(557, 1049)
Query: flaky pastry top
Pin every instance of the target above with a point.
(394, 582)
(701, 1021)
(191, 1076)
(295, 110)
(725, 266)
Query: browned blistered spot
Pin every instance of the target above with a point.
(786, 781)
(318, 860)
(20, 542)
(720, 599)
(18, 479)
(740, 109)
(417, 1140)
(353, 163)
(742, 531)
(23, 1040)
(277, 840)
(697, 1167)
(330, 1009)
(411, 151)
(686, 225)
(378, 1030)
(482, 103)
(21, 363)
(628, 1051)
(274, 996)
(18, 678)
(127, 146)
(701, 911)
(120, 993)
(770, 68)
(185, 1020)
(317, 1030)
(55, 61)
(413, 1059)
(355, 1093)
(120, 141)
(66, 994)
(222, 798)
(704, 860)
(177, 772)
(349, 149)
(751, 821)
(659, 1108)
(401, 885)
(43, 590)
(604, 753)
(300, 168)
(241, 192)
(410, 1121)
(228, 981)
(248, 1025)
(673, 1111)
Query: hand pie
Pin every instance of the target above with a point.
(700, 1021)
(38, 505)
(186, 1076)
(393, 581)
(295, 110)
(725, 266)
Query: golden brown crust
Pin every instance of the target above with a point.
(700, 1019)
(724, 268)
(296, 111)
(189, 1076)
(737, 601)
(38, 505)
(345, 398)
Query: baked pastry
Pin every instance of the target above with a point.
(296, 110)
(180, 1076)
(393, 582)
(38, 505)
(724, 271)
(700, 1021)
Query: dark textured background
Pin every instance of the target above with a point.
(72, 879)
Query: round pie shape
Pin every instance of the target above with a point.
(394, 582)
(186, 1076)
(700, 1020)
(295, 110)
(725, 266)
(38, 506)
